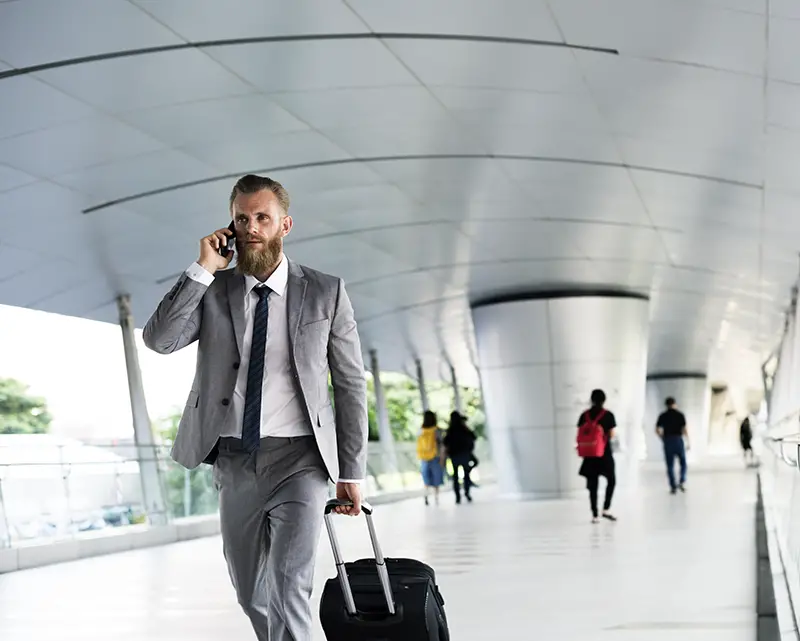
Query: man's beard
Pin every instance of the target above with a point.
(255, 260)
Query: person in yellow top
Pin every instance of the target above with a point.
(431, 455)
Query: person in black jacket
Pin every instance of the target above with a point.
(746, 440)
(594, 467)
(459, 443)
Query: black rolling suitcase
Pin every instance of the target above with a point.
(380, 599)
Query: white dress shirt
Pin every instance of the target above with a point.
(281, 410)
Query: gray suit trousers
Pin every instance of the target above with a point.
(271, 505)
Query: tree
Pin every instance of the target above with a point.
(404, 406)
(442, 401)
(402, 403)
(20, 412)
(473, 409)
(203, 499)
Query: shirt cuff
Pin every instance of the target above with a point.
(200, 274)
(350, 480)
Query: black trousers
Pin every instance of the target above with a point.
(593, 483)
(461, 461)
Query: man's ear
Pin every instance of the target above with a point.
(286, 224)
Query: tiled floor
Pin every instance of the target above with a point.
(672, 567)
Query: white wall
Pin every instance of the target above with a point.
(540, 360)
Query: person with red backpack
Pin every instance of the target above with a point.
(596, 428)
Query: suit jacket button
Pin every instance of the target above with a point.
(236, 366)
(225, 401)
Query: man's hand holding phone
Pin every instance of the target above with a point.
(210, 258)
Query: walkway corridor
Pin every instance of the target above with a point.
(672, 567)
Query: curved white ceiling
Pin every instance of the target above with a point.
(436, 152)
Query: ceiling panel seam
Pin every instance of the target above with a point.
(489, 263)
(416, 157)
(413, 307)
(361, 230)
(259, 91)
(207, 44)
(693, 65)
(464, 298)
(433, 96)
(620, 152)
(463, 126)
(256, 90)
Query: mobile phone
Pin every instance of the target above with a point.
(229, 246)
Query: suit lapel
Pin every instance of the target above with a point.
(295, 296)
(236, 303)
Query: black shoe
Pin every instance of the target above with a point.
(673, 490)
(682, 487)
(608, 516)
(426, 500)
(469, 498)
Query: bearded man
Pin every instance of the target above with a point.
(269, 332)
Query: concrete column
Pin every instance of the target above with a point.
(692, 395)
(540, 358)
(149, 471)
(456, 391)
(423, 393)
(384, 429)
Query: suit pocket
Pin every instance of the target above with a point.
(318, 328)
(322, 322)
(216, 472)
(314, 335)
(193, 399)
(326, 416)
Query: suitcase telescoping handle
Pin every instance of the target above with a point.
(380, 564)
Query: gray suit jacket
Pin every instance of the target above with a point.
(322, 337)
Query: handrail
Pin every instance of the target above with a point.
(788, 460)
(779, 492)
(782, 441)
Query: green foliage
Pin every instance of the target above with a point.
(441, 400)
(404, 406)
(21, 413)
(203, 498)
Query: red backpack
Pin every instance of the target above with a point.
(591, 440)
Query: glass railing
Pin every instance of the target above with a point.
(53, 489)
(779, 471)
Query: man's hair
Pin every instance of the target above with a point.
(250, 184)
(669, 402)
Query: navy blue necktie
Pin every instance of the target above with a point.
(251, 421)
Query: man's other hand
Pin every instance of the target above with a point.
(348, 492)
